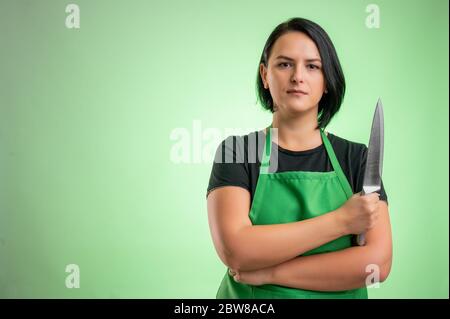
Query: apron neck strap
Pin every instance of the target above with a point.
(265, 162)
(337, 168)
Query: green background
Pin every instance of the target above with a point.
(86, 117)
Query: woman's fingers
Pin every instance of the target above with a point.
(231, 272)
(234, 274)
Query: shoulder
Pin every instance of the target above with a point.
(351, 154)
(236, 148)
(343, 145)
(231, 162)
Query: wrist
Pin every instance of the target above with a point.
(340, 222)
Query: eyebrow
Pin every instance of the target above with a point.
(290, 59)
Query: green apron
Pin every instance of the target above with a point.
(288, 197)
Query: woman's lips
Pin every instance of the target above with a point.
(296, 92)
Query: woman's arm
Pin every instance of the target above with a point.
(334, 271)
(243, 246)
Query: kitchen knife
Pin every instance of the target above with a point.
(374, 163)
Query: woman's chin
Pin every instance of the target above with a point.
(299, 107)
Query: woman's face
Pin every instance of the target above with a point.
(294, 64)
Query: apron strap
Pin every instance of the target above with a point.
(335, 163)
(265, 162)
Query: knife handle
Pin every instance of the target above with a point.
(361, 238)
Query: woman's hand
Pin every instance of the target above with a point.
(253, 277)
(360, 213)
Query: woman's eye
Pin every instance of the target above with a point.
(313, 66)
(284, 64)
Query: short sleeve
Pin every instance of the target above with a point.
(229, 167)
(360, 176)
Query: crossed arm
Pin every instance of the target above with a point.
(263, 254)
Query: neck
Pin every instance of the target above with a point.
(297, 133)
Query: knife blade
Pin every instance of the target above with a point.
(374, 163)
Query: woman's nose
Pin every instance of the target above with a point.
(297, 75)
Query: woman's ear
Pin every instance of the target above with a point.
(263, 74)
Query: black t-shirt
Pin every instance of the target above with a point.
(237, 161)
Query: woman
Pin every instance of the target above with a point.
(284, 224)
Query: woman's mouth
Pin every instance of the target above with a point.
(297, 92)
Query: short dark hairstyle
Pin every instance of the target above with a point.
(330, 103)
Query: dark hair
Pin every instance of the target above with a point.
(330, 103)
